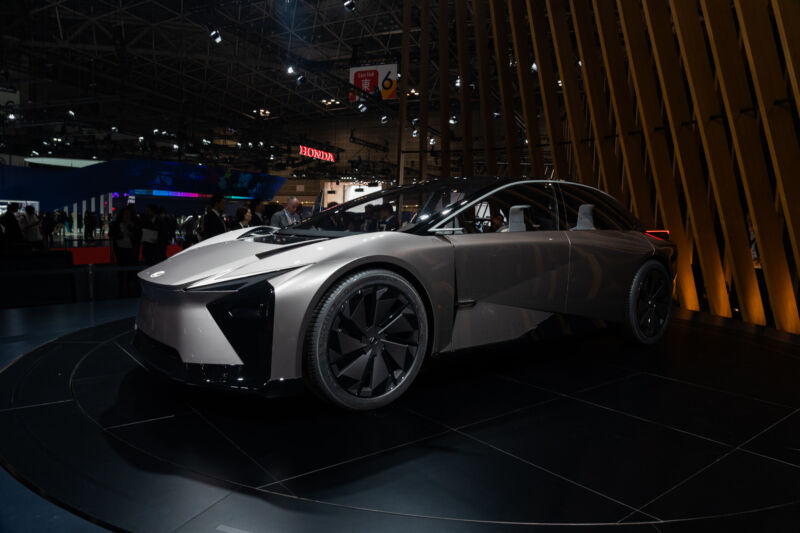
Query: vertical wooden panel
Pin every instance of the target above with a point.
(603, 130)
(465, 91)
(527, 92)
(405, 71)
(567, 68)
(765, 70)
(655, 136)
(787, 17)
(424, 86)
(687, 152)
(707, 110)
(547, 86)
(500, 33)
(444, 84)
(479, 16)
(752, 162)
(630, 139)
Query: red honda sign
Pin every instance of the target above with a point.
(316, 154)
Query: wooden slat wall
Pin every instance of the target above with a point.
(717, 165)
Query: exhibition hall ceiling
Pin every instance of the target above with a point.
(193, 63)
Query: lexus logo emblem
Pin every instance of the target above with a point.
(157, 274)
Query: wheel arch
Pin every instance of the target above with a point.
(435, 322)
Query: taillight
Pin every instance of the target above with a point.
(660, 234)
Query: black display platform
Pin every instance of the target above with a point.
(700, 432)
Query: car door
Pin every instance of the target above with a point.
(607, 247)
(509, 277)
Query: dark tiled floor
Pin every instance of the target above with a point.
(728, 418)
(686, 435)
(455, 476)
(625, 458)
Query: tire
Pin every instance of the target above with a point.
(649, 302)
(367, 340)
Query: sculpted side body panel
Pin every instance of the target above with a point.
(602, 265)
(507, 283)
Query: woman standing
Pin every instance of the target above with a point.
(243, 216)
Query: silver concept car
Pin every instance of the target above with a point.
(353, 299)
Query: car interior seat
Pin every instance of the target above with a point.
(585, 217)
(516, 218)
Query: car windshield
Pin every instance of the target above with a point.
(396, 209)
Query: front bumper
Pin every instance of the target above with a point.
(165, 361)
(220, 336)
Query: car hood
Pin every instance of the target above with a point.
(237, 258)
(193, 265)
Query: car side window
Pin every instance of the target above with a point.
(587, 209)
(493, 214)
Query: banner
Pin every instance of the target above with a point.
(375, 79)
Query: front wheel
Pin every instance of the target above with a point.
(649, 302)
(367, 340)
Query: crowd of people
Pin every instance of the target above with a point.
(138, 237)
(22, 228)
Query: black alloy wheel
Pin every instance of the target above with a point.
(368, 340)
(650, 302)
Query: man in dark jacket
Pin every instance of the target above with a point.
(213, 223)
(13, 231)
(155, 236)
(257, 210)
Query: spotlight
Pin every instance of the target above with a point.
(496, 114)
(155, 131)
(141, 139)
(34, 153)
(453, 120)
(215, 36)
(580, 63)
(534, 67)
(559, 83)
(164, 133)
(458, 81)
(272, 157)
(261, 144)
(300, 79)
(114, 129)
(71, 113)
(415, 133)
(175, 147)
(414, 121)
(12, 116)
(290, 70)
(249, 145)
(206, 142)
(350, 5)
(238, 145)
(362, 107)
(431, 141)
(384, 119)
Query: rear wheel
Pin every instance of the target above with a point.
(649, 302)
(367, 340)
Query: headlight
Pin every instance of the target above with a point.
(232, 285)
